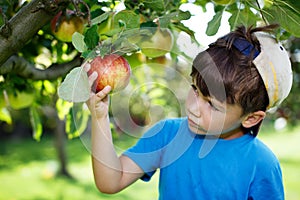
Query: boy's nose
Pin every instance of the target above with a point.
(194, 106)
(194, 109)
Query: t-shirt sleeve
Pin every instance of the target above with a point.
(268, 183)
(147, 152)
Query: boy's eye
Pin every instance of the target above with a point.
(194, 88)
(198, 93)
(212, 105)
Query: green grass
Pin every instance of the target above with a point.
(286, 146)
(28, 170)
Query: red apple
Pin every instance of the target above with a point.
(113, 70)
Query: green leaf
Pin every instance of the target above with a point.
(133, 35)
(176, 16)
(113, 32)
(157, 5)
(78, 42)
(36, 123)
(242, 17)
(214, 24)
(5, 116)
(89, 55)
(91, 37)
(202, 3)
(148, 24)
(288, 17)
(181, 27)
(127, 18)
(63, 108)
(100, 18)
(49, 87)
(77, 120)
(126, 47)
(75, 87)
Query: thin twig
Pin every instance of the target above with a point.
(262, 15)
(78, 12)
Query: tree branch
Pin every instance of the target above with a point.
(23, 68)
(25, 24)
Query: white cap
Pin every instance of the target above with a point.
(274, 66)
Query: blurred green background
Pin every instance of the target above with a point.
(41, 153)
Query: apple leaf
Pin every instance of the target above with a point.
(176, 16)
(78, 42)
(100, 18)
(180, 26)
(75, 87)
(113, 32)
(214, 24)
(134, 35)
(89, 54)
(157, 5)
(245, 17)
(126, 47)
(91, 37)
(127, 17)
(288, 17)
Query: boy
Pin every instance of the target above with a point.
(213, 152)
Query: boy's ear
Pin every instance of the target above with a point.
(253, 118)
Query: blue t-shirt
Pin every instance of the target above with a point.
(196, 167)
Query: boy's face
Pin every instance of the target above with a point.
(207, 115)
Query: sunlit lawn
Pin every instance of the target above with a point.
(27, 170)
(286, 145)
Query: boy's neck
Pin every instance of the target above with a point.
(236, 133)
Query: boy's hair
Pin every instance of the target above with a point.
(223, 67)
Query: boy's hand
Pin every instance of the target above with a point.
(98, 103)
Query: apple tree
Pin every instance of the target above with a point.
(41, 41)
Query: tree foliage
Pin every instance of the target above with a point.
(33, 59)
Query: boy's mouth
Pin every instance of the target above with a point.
(193, 124)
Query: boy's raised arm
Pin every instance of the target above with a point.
(111, 173)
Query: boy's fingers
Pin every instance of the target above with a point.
(92, 78)
(86, 66)
(103, 93)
